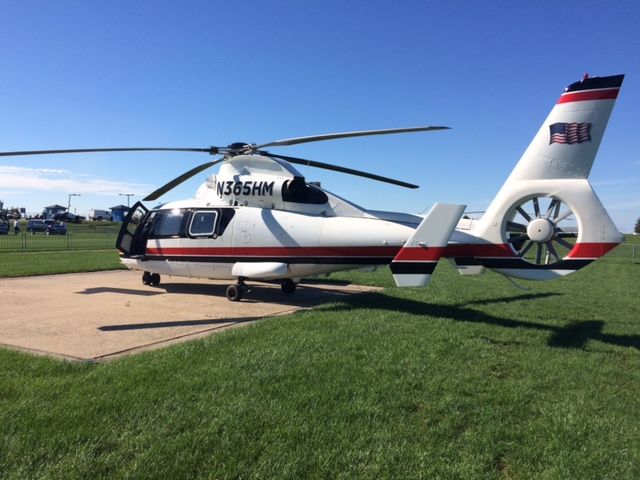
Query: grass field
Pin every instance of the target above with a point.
(469, 378)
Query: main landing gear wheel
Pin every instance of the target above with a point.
(539, 235)
(149, 278)
(288, 286)
(236, 292)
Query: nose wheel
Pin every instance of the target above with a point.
(151, 279)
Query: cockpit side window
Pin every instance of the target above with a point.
(203, 223)
(167, 223)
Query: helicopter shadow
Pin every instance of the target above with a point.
(306, 294)
(305, 297)
(123, 291)
(179, 323)
(576, 334)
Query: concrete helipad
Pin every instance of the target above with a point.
(100, 315)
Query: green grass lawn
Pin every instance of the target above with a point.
(468, 378)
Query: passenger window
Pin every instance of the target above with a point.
(203, 224)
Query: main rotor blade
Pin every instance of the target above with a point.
(334, 136)
(178, 180)
(336, 168)
(210, 150)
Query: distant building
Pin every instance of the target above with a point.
(119, 212)
(51, 210)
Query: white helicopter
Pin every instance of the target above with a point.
(259, 219)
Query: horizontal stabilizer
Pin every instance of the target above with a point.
(417, 259)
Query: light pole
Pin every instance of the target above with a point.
(127, 195)
(69, 202)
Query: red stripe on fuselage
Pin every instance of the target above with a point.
(276, 251)
(419, 254)
(609, 94)
(414, 254)
(409, 254)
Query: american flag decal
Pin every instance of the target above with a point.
(569, 133)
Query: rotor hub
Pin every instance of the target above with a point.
(239, 146)
(540, 230)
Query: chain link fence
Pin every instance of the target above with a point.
(26, 242)
(629, 252)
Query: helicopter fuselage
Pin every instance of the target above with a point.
(193, 239)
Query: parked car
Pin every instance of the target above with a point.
(68, 217)
(58, 229)
(4, 229)
(35, 225)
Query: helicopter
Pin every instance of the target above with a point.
(259, 219)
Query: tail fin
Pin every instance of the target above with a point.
(566, 144)
(547, 200)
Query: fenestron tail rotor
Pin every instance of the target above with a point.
(241, 148)
(541, 230)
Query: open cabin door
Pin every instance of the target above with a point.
(132, 239)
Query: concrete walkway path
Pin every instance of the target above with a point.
(100, 315)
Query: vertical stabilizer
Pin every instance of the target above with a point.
(546, 221)
(566, 144)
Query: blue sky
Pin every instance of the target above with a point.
(80, 74)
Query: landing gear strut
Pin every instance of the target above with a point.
(288, 286)
(235, 292)
(149, 278)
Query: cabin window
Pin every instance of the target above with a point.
(168, 223)
(203, 224)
